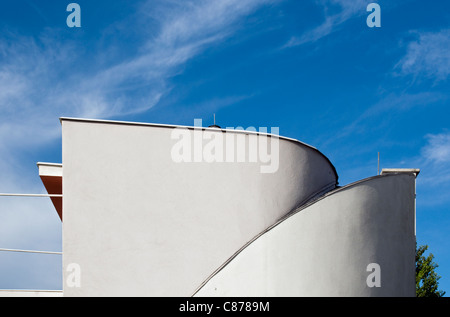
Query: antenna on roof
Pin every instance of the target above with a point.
(378, 163)
(214, 125)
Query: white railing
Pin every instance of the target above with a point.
(30, 251)
(30, 195)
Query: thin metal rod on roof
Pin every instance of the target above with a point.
(378, 163)
(29, 195)
(30, 251)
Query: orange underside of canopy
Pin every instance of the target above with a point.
(53, 185)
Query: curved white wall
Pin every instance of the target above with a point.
(138, 223)
(324, 249)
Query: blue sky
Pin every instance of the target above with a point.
(312, 68)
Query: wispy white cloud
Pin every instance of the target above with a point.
(401, 102)
(427, 56)
(380, 112)
(433, 160)
(437, 149)
(41, 79)
(336, 12)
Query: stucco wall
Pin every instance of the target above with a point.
(138, 223)
(325, 249)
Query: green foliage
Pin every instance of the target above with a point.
(426, 277)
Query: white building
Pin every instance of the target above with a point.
(159, 210)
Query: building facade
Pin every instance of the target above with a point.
(160, 210)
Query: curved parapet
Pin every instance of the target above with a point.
(358, 240)
(153, 210)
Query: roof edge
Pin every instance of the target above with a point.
(102, 121)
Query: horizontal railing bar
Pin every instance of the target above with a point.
(30, 251)
(30, 195)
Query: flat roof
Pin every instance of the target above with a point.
(414, 171)
(51, 175)
(160, 125)
(49, 169)
(101, 121)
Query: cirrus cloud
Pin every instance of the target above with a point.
(427, 56)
